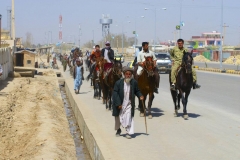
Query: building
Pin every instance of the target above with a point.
(24, 58)
(205, 40)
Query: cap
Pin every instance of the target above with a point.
(107, 42)
(125, 69)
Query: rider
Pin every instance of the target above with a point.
(176, 56)
(141, 58)
(95, 54)
(108, 55)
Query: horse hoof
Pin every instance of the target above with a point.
(149, 116)
(175, 114)
(141, 114)
(185, 116)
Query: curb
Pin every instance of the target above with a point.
(218, 70)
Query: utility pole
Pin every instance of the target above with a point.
(13, 21)
(221, 45)
(79, 37)
(224, 32)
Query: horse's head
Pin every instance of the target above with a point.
(117, 67)
(100, 63)
(187, 62)
(149, 65)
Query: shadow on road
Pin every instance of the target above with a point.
(135, 135)
(156, 112)
(190, 115)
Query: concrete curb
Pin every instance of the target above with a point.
(89, 139)
(219, 71)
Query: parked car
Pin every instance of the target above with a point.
(118, 57)
(164, 63)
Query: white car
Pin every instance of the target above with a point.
(164, 63)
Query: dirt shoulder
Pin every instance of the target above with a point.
(33, 123)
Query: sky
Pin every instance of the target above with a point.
(41, 16)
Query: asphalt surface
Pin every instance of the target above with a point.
(216, 65)
(211, 132)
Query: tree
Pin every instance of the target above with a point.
(28, 42)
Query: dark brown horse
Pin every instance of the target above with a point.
(96, 77)
(115, 73)
(146, 84)
(184, 83)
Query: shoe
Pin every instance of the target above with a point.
(128, 136)
(118, 132)
(196, 86)
(173, 87)
(156, 90)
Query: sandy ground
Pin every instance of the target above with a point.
(33, 123)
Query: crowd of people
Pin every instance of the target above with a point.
(126, 88)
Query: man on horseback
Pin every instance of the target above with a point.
(176, 56)
(108, 55)
(141, 58)
(95, 55)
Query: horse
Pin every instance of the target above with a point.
(96, 78)
(114, 74)
(146, 84)
(184, 83)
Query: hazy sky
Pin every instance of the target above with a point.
(40, 16)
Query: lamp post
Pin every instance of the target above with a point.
(155, 26)
(51, 36)
(180, 32)
(135, 40)
(221, 36)
(0, 30)
(122, 36)
(79, 34)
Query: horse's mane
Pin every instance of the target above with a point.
(185, 56)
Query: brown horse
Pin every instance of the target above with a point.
(96, 77)
(184, 83)
(146, 84)
(114, 74)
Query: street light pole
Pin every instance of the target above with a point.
(221, 36)
(155, 29)
(180, 31)
(79, 34)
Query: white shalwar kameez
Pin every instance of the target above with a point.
(125, 115)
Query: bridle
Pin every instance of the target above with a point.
(116, 70)
(187, 62)
(149, 66)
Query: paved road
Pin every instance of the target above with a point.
(211, 132)
(216, 65)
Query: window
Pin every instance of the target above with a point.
(29, 61)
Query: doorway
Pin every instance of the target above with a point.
(19, 59)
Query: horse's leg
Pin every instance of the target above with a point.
(185, 115)
(179, 96)
(106, 99)
(174, 97)
(150, 100)
(141, 107)
(110, 99)
(99, 90)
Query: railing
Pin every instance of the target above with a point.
(6, 61)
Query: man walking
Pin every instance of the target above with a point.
(124, 102)
(141, 58)
(78, 75)
(176, 56)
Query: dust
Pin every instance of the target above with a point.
(201, 58)
(33, 123)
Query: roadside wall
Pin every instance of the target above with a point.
(6, 62)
